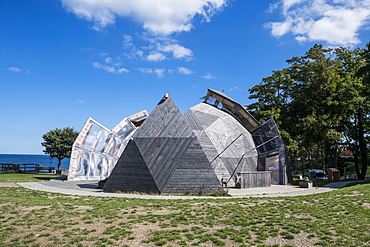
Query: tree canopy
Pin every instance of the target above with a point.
(58, 143)
(320, 103)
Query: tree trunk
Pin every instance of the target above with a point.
(363, 148)
(355, 148)
(310, 158)
(59, 164)
(333, 158)
(357, 166)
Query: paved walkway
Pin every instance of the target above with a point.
(90, 188)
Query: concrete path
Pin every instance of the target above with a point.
(6, 184)
(90, 188)
(284, 190)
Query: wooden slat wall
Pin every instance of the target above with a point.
(162, 139)
(131, 173)
(165, 120)
(255, 179)
(200, 120)
(193, 174)
(163, 158)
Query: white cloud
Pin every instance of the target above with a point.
(146, 70)
(110, 69)
(156, 56)
(158, 72)
(178, 51)
(127, 40)
(14, 69)
(133, 51)
(186, 71)
(234, 88)
(122, 70)
(337, 22)
(159, 17)
(280, 28)
(108, 59)
(80, 101)
(111, 65)
(209, 76)
(159, 49)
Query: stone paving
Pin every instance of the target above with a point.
(90, 188)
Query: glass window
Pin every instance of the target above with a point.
(91, 137)
(210, 100)
(112, 147)
(100, 145)
(126, 130)
(97, 150)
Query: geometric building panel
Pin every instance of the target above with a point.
(97, 149)
(266, 137)
(131, 173)
(171, 153)
(193, 173)
(228, 145)
(272, 153)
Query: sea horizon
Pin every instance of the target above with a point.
(42, 159)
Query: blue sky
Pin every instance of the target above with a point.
(62, 61)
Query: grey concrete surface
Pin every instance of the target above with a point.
(90, 188)
(282, 190)
(5, 184)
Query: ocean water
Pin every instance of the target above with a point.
(42, 159)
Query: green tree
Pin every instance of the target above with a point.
(356, 65)
(316, 108)
(58, 143)
(273, 96)
(309, 101)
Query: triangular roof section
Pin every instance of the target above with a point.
(165, 120)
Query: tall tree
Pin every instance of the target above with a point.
(58, 143)
(273, 98)
(307, 100)
(316, 107)
(356, 65)
(365, 111)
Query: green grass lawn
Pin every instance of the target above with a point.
(23, 177)
(35, 218)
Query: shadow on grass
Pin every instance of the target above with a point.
(316, 183)
(88, 186)
(341, 184)
(45, 178)
(357, 182)
(320, 183)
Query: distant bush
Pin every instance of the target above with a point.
(10, 172)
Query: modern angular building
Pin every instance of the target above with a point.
(215, 144)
